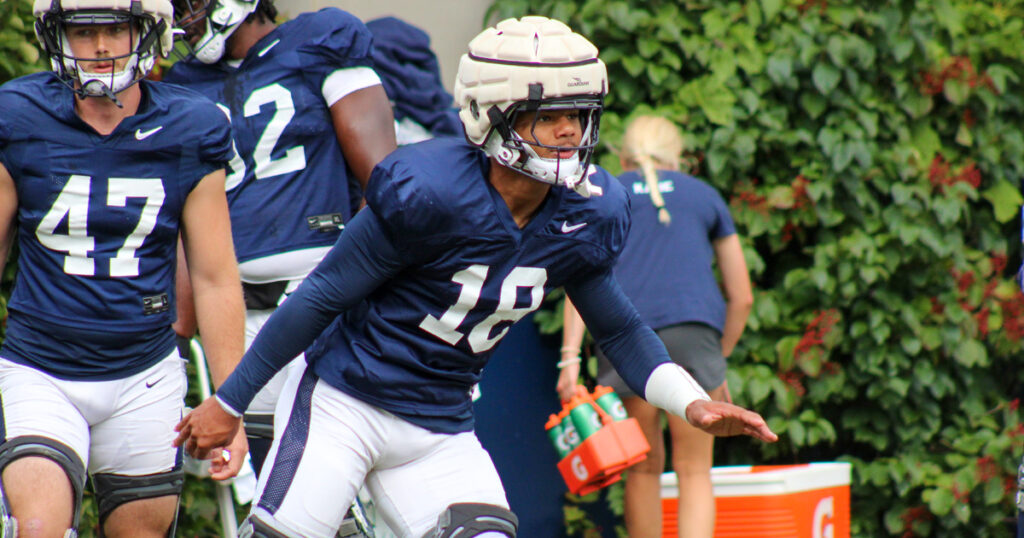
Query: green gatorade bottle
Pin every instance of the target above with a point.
(557, 436)
(610, 402)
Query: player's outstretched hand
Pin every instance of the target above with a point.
(226, 463)
(725, 419)
(205, 428)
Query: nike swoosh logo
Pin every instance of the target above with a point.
(266, 50)
(150, 385)
(142, 135)
(566, 228)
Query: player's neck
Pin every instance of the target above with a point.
(246, 36)
(522, 194)
(104, 115)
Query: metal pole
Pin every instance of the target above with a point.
(228, 521)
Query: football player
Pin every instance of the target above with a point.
(99, 170)
(310, 119)
(460, 240)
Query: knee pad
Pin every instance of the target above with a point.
(254, 527)
(113, 490)
(473, 519)
(55, 451)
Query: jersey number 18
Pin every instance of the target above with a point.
(472, 281)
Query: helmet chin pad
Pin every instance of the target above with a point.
(219, 20)
(523, 158)
(211, 50)
(105, 84)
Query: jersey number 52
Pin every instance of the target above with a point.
(294, 158)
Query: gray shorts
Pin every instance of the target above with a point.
(694, 346)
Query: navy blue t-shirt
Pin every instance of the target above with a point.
(666, 270)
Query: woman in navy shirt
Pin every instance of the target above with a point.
(679, 226)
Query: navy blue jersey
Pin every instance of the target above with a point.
(430, 278)
(98, 220)
(288, 163)
(472, 273)
(666, 270)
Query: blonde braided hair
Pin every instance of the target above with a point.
(652, 143)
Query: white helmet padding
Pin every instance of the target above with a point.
(218, 19)
(151, 36)
(526, 65)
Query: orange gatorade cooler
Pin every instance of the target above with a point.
(810, 500)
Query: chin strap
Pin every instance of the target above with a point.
(96, 88)
(583, 186)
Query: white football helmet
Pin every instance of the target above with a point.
(207, 25)
(526, 65)
(151, 35)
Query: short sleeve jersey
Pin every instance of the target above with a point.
(287, 163)
(98, 220)
(417, 345)
(666, 270)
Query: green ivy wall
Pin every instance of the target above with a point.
(871, 154)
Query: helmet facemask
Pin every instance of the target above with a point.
(149, 35)
(514, 150)
(207, 25)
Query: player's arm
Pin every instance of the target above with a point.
(362, 260)
(572, 342)
(213, 273)
(216, 295)
(739, 298)
(185, 325)
(8, 211)
(643, 363)
(362, 118)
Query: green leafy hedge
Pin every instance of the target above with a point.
(20, 55)
(871, 153)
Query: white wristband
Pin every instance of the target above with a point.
(227, 408)
(671, 388)
(567, 362)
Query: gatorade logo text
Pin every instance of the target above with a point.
(581, 472)
(619, 411)
(825, 509)
(562, 443)
(571, 436)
